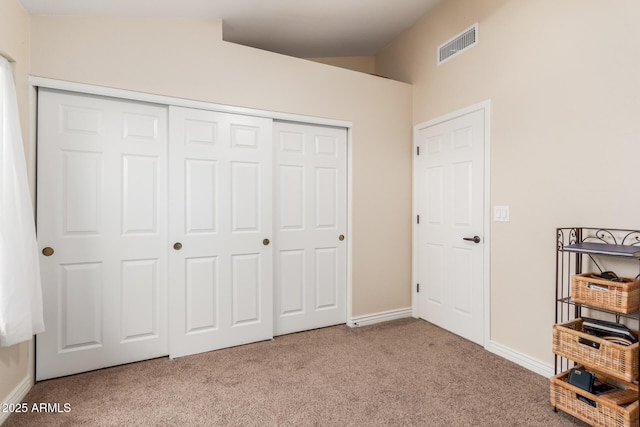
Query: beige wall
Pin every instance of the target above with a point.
(364, 64)
(563, 78)
(14, 43)
(188, 59)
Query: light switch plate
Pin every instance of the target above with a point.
(501, 213)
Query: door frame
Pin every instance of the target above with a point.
(88, 89)
(484, 106)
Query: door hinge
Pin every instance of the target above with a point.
(418, 219)
(417, 287)
(418, 150)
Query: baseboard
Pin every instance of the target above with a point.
(521, 359)
(370, 319)
(16, 396)
(514, 356)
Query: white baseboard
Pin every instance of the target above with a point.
(534, 365)
(370, 319)
(521, 359)
(16, 396)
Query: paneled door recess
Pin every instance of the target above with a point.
(221, 267)
(163, 230)
(102, 228)
(311, 224)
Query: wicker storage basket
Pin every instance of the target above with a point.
(621, 297)
(564, 396)
(616, 360)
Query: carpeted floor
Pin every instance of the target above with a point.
(400, 373)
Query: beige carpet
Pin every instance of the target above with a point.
(404, 372)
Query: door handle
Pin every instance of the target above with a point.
(266, 242)
(177, 246)
(474, 239)
(47, 251)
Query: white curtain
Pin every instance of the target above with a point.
(20, 288)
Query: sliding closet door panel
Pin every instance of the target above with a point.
(311, 200)
(200, 203)
(326, 280)
(327, 198)
(80, 306)
(139, 295)
(102, 197)
(140, 182)
(221, 212)
(245, 197)
(291, 283)
(201, 294)
(81, 188)
(245, 285)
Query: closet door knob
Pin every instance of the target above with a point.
(47, 251)
(266, 242)
(177, 246)
(341, 237)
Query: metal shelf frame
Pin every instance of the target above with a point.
(574, 245)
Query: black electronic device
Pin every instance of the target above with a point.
(609, 275)
(587, 401)
(581, 379)
(608, 330)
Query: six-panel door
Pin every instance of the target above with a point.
(311, 224)
(157, 244)
(221, 215)
(102, 209)
(449, 178)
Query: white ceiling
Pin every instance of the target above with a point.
(303, 28)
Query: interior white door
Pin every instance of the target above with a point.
(449, 182)
(311, 221)
(221, 274)
(102, 210)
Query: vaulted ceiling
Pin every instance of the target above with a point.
(303, 28)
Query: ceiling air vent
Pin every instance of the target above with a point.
(456, 45)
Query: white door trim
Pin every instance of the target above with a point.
(486, 107)
(180, 102)
(35, 82)
(349, 225)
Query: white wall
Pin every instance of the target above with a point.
(563, 80)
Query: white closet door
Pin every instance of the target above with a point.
(102, 209)
(311, 224)
(221, 223)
